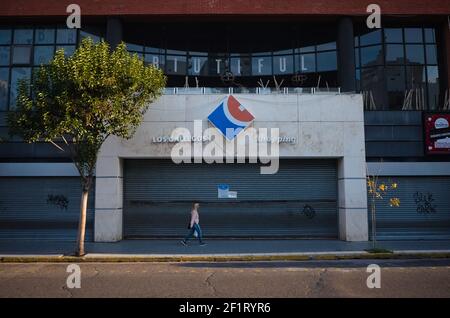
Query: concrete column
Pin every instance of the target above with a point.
(353, 218)
(108, 200)
(114, 32)
(346, 55)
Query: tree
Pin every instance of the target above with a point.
(378, 192)
(77, 102)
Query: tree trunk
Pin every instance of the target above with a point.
(82, 221)
(374, 224)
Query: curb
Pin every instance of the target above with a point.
(98, 258)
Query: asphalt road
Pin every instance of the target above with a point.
(399, 278)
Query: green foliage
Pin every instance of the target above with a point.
(79, 101)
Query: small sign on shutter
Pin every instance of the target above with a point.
(223, 192)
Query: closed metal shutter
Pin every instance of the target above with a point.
(424, 211)
(158, 195)
(45, 208)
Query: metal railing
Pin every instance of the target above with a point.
(251, 90)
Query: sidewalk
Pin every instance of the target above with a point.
(164, 250)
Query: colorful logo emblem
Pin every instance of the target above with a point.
(230, 117)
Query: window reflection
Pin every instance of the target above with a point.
(431, 54)
(395, 54)
(68, 49)
(45, 36)
(156, 59)
(305, 63)
(5, 36)
(415, 54)
(4, 77)
(372, 55)
(261, 65)
(66, 36)
(4, 55)
(433, 87)
(18, 74)
(96, 38)
(241, 65)
(393, 35)
(326, 62)
(43, 54)
(23, 36)
(283, 64)
(413, 35)
(327, 46)
(430, 36)
(410, 63)
(198, 65)
(176, 65)
(21, 54)
(395, 80)
(371, 38)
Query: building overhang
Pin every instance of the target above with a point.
(29, 8)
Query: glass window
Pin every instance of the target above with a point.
(241, 66)
(307, 49)
(395, 82)
(134, 47)
(327, 46)
(66, 36)
(413, 35)
(430, 36)
(357, 57)
(176, 52)
(217, 64)
(17, 74)
(326, 61)
(393, 35)
(198, 65)
(155, 59)
(395, 54)
(283, 64)
(43, 54)
(372, 81)
(415, 54)
(431, 54)
(261, 65)
(23, 36)
(94, 37)
(4, 55)
(5, 36)
(68, 49)
(282, 52)
(21, 54)
(358, 79)
(150, 49)
(356, 41)
(4, 76)
(372, 55)
(305, 63)
(45, 36)
(433, 87)
(415, 76)
(176, 65)
(371, 38)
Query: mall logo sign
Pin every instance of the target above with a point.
(230, 117)
(230, 140)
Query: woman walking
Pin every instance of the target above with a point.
(194, 226)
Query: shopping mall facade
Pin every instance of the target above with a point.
(345, 101)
